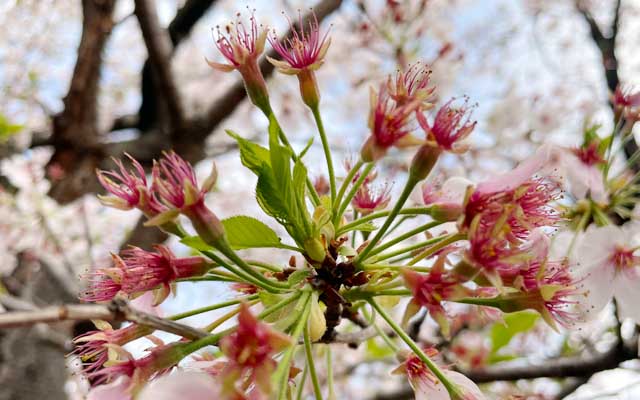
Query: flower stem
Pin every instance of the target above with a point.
(438, 246)
(327, 151)
(453, 390)
(408, 188)
(282, 373)
(212, 307)
(381, 214)
(352, 192)
(345, 184)
(303, 380)
(404, 236)
(225, 248)
(308, 351)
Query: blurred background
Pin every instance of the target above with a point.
(78, 85)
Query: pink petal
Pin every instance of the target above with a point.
(525, 170)
(145, 302)
(116, 390)
(181, 385)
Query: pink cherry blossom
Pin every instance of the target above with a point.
(427, 387)
(390, 125)
(450, 127)
(128, 188)
(182, 385)
(411, 85)
(250, 350)
(116, 390)
(371, 198)
(303, 50)
(239, 45)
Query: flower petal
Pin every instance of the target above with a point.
(181, 385)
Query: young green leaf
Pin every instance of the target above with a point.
(245, 232)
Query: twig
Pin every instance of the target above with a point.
(117, 310)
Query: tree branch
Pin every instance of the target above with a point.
(607, 47)
(159, 48)
(117, 310)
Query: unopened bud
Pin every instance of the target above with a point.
(315, 249)
(309, 88)
(423, 162)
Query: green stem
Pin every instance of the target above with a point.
(438, 246)
(408, 188)
(352, 192)
(345, 184)
(332, 393)
(308, 351)
(407, 249)
(315, 199)
(375, 267)
(327, 151)
(452, 388)
(372, 320)
(261, 283)
(303, 380)
(382, 214)
(201, 310)
(282, 372)
(404, 236)
(225, 248)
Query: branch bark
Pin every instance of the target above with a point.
(159, 48)
(117, 310)
(607, 46)
(75, 134)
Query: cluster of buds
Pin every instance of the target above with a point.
(137, 271)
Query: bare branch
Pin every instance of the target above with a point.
(117, 310)
(160, 48)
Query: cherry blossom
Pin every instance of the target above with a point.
(427, 387)
(607, 261)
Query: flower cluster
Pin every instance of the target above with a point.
(353, 249)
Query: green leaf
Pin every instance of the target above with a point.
(252, 155)
(7, 129)
(195, 242)
(297, 277)
(514, 323)
(245, 232)
(306, 149)
(377, 349)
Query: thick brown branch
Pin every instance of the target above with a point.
(160, 48)
(117, 310)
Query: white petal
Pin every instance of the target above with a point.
(597, 284)
(424, 389)
(181, 385)
(471, 390)
(116, 390)
(596, 246)
(628, 295)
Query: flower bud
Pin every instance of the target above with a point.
(423, 162)
(317, 322)
(315, 249)
(309, 88)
